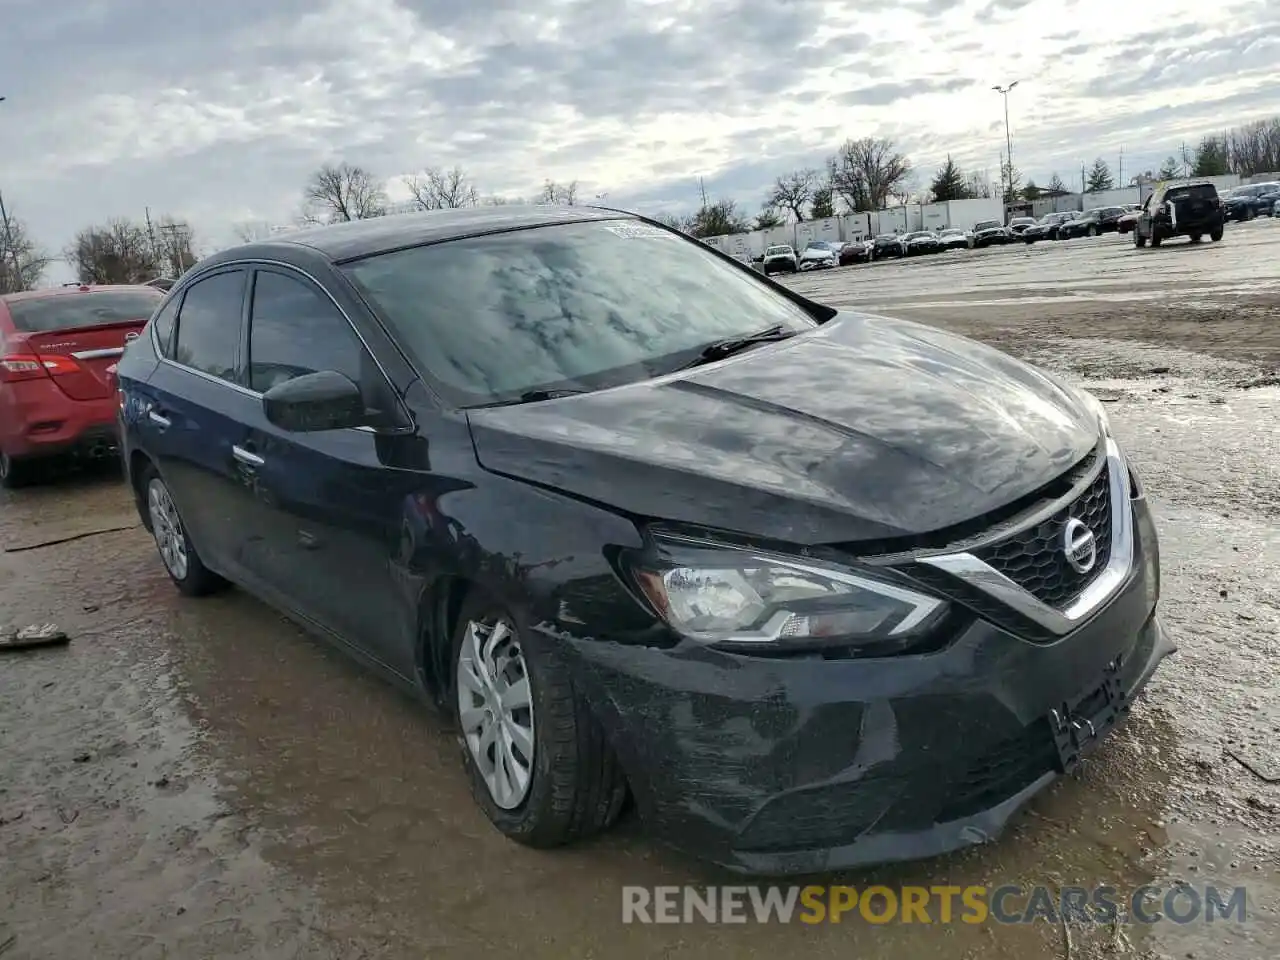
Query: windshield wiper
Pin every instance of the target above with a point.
(529, 396)
(719, 349)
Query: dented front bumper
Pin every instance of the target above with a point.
(776, 766)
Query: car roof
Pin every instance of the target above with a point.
(46, 292)
(353, 240)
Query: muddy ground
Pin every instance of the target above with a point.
(191, 779)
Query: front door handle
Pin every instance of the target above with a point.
(247, 457)
(158, 419)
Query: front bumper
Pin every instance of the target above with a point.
(799, 765)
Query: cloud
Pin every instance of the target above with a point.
(218, 113)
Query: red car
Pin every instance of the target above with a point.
(57, 396)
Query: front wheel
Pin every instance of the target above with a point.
(1156, 238)
(538, 763)
(1139, 240)
(1093, 231)
(1195, 238)
(177, 552)
(1215, 235)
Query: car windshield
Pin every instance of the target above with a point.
(887, 237)
(818, 245)
(776, 250)
(575, 306)
(71, 311)
(917, 235)
(1022, 220)
(951, 233)
(986, 224)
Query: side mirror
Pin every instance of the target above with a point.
(326, 400)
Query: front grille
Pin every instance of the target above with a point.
(1034, 559)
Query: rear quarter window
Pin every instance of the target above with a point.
(69, 311)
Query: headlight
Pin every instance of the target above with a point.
(741, 598)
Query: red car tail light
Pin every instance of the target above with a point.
(27, 366)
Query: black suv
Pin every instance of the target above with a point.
(1180, 210)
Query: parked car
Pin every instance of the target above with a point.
(987, 233)
(818, 255)
(1275, 209)
(162, 283)
(588, 487)
(1019, 224)
(1250, 200)
(921, 241)
(1181, 210)
(56, 397)
(1046, 228)
(780, 258)
(856, 251)
(953, 238)
(888, 245)
(1125, 222)
(1097, 221)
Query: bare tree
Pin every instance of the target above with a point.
(793, 191)
(251, 231)
(22, 262)
(341, 192)
(1255, 147)
(767, 219)
(562, 193)
(718, 219)
(1056, 186)
(119, 251)
(867, 172)
(436, 189)
(978, 186)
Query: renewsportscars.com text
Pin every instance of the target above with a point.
(1009, 904)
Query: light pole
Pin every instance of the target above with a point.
(1008, 138)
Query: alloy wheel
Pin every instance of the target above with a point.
(166, 526)
(495, 709)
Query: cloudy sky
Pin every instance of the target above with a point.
(217, 112)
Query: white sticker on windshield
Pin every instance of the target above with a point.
(634, 230)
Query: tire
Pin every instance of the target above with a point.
(1093, 231)
(178, 554)
(1195, 238)
(1139, 240)
(1156, 239)
(573, 786)
(14, 473)
(1215, 235)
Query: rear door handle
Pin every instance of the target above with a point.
(158, 419)
(247, 457)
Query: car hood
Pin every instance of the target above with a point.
(865, 429)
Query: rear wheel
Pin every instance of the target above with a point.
(1216, 234)
(177, 552)
(1138, 239)
(539, 765)
(1093, 231)
(1195, 238)
(1155, 237)
(14, 473)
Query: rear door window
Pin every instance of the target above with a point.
(70, 311)
(208, 337)
(163, 327)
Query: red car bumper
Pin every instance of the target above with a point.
(38, 420)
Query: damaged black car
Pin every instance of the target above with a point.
(812, 588)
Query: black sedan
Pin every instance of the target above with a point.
(1046, 228)
(1097, 221)
(888, 245)
(1250, 200)
(583, 483)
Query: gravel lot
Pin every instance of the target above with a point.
(200, 779)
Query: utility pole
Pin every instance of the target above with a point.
(1008, 137)
(8, 240)
(151, 235)
(1120, 170)
(702, 186)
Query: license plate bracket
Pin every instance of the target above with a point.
(1080, 724)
